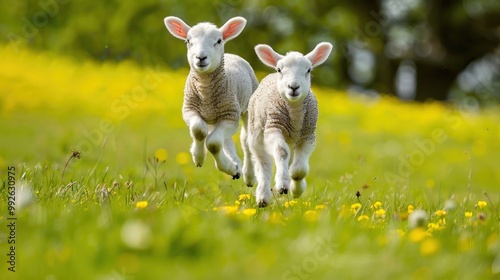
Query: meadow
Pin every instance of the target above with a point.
(105, 187)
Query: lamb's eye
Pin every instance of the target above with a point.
(188, 42)
(218, 42)
(278, 69)
(309, 71)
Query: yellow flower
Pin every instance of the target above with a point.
(229, 210)
(377, 205)
(380, 213)
(275, 218)
(141, 204)
(429, 246)
(363, 218)
(182, 158)
(290, 203)
(355, 207)
(249, 212)
(73, 201)
(237, 202)
(410, 208)
(441, 213)
(416, 235)
(320, 207)
(436, 226)
(468, 214)
(311, 216)
(244, 196)
(306, 203)
(161, 155)
(481, 204)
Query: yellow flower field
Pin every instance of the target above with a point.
(396, 190)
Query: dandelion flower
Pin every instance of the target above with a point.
(468, 214)
(244, 196)
(237, 202)
(320, 207)
(429, 246)
(441, 213)
(380, 213)
(363, 218)
(182, 158)
(249, 212)
(311, 216)
(417, 218)
(141, 204)
(416, 235)
(481, 204)
(377, 205)
(290, 203)
(229, 210)
(355, 207)
(161, 155)
(410, 209)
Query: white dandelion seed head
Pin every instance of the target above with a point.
(417, 218)
(136, 234)
(24, 195)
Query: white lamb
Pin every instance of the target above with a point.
(216, 94)
(283, 113)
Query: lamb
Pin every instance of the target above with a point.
(216, 94)
(283, 113)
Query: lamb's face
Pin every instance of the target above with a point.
(205, 47)
(294, 76)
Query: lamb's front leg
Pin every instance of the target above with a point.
(198, 129)
(215, 144)
(281, 153)
(263, 170)
(300, 166)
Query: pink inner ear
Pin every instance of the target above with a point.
(230, 29)
(268, 57)
(319, 54)
(178, 29)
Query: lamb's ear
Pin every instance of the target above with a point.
(267, 55)
(320, 53)
(177, 27)
(232, 28)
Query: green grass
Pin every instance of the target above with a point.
(92, 223)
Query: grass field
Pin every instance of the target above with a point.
(105, 188)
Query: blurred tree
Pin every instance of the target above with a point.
(414, 48)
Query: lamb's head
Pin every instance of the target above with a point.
(205, 42)
(294, 69)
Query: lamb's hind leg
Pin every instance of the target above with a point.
(300, 167)
(215, 144)
(248, 168)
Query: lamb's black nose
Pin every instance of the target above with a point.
(201, 58)
(294, 90)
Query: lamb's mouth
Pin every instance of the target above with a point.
(201, 65)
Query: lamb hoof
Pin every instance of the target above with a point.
(249, 186)
(198, 165)
(262, 204)
(237, 176)
(283, 191)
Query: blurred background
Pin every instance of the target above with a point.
(415, 49)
